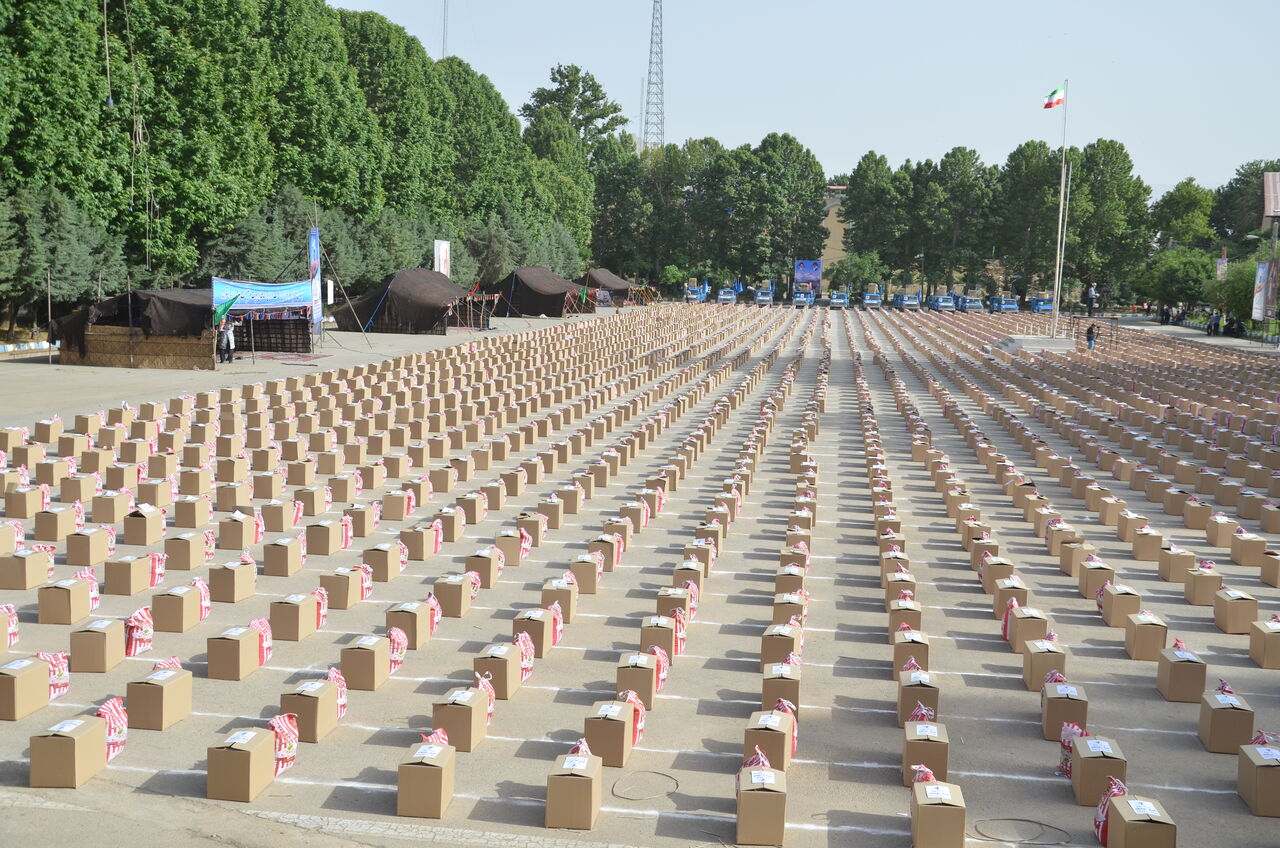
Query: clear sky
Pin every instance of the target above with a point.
(1182, 83)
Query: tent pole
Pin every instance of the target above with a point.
(48, 303)
(253, 346)
(343, 289)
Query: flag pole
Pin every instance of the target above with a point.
(1062, 204)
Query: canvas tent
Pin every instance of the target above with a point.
(620, 290)
(533, 290)
(145, 328)
(416, 300)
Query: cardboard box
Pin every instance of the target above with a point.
(293, 618)
(1201, 586)
(175, 610)
(1264, 643)
(776, 643)
(242, 766)
(185, 552)
(639, 673)
(1026, 624)
(192, 511)
(1061, 703)
(424, 781)
(24, 688)
(924, 743)
(1258, 779)
(501, 664)
(916, 687)
(938, 815)
(1094, 760)
(770, 730)
(63, 602)
(232, 582)
(144, 526)
(608, 729)
(574, 791)
(282, 557)
(87, 547)
(127, 575)
(1118, 603)
(66, 755)
(1145, 635)
(1135, 821)
(1226, 722)
(909, 644)
(315, 702)
(98, 646)
(160, 700)
(385, 561)
(414, 618)
(1234, 611)
(24, 569)
(1180, 676)
(463, 714)
(343, 586)
(780, 680)
(54, 524)
(233, 654)
(762, 806)
(366, 663)
(538, 623)
(1039, 657)
(453, 591)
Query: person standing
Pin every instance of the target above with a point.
(226, 341)
(1091, 336)
(1092, 298)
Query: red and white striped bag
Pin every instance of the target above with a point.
(557, 622)
(1054, 676)
(246, 558)
(328, 498)
(1100, 594)
(46, 497)
(911, 665)
(173, 663)
(497, 554)
(202, 589)
(434, 613)
(259, 525)
(336, 678)
(580, 748)
(923, 774)
(437, 535)
(264, 639)
(637, 726)
(1008, 614)
(402, 554)
(348, 531)
(692, 588)
(10, 615)
(526, 543)
(366, 580)
(483, 684)
(677, 616)
(782, 705)
(302, 546)
(358, 478)
(139, 632)
(210, 544)
(664, 664)
(619, 544)
(473, 577)
(157, 563)
(921, 713)
(90, 576)
(376, 509)
(299, 510)
(322, 606)
(50, 550)
(524, 642)
(1066, 739)
(111, 538)
(117, 720)
(758, 760)
(439, 736)
(59, 672)
(1115, 788)
(410, 502)
(399, 647)
(77, 509)
(285, 726)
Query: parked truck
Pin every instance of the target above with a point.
(872, 299)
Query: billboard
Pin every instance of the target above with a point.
(443, 262)
(808, 271)
(1260, 291)
(317, 296)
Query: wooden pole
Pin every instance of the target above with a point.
(48, 304)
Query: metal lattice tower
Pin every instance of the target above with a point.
(655, 117)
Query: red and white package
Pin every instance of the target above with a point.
(328, 498)
(302, 546)
(526, 541)
(756, 760)
(375, 510)
(112, 712)
(906, 595)
(437, 535)
(111, 538)
(911, 665)
(598, 558)
(473, 577)
(637, 725)
(792, 658)
(692, 588)
(336, 678)
(59, 672)
(157, 567)
(77, 509)
(259, 524)
(1008, 614)
(557, 622)
(399, 646)
(348, 531)
(1100, 594)
(264, 639)
(173, 664)
(410, 502)
(210, 544)
(677, 616)
(923, 774)
(795, 622)
(299, 510)
(139, 632)
(1224, 687)
(286, 727)
(664, 665)
(1070, 732)
(402, 555)
(1115, 788)
(439, 736)
(358, 479)
(782, 705)
(1265, 737)
(921, 713)
(10, 614)
(580, 748)
(246, 558)
(1179, 645)
(620, 544)
(483, 684)
(322, 606)
(202, 590)
(90, 576)
(366, 580)
(524, 642)
(1055, 676)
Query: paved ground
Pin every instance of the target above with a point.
(677, 789)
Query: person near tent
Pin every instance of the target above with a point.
(227, 340)
(1091, 336)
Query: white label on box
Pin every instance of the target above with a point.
(1185, 655)
(1042, 645)
(162, 674)
(367, 640)
(763, 778)
(911, 636)
(1144, 808)
(1068, 691)
(791, 598)
(66, 584)
(780, 670)
(1234, 594)
(497, 650)
(453, 578)
(560, 583)
(1031, 612)
(463, 696)
(769, 720)
(927, 730)
(180, 590)
(296, 599)
(1148, 618)
(410, 605)
(1099, 746)
(343, 570)
(240, 737)
(636, 659)
(1273, 626)
(235, 631)
(1228, 700)
(427, 752)
(942, 793)
(16, 664)
(1269, 753)
(919, 677)
(574, 763)
(64, 726)
(610, 710)
(100, 624)
(310, 686)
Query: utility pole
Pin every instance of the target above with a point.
(654, 109)
(444, 32)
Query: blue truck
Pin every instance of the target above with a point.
(941, 303)
(998, 303)
(764, 296)
(1041, 304)
(697, 294)
(969, 303)
(905, 302)
(872, 300)
(727, 295)
(839, 300)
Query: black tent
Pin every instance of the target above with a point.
(599, 278)
(156, 312)
(534, 290)
(416, 300)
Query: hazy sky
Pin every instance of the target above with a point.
(1182, 83)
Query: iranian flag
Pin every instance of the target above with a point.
(1056, 97)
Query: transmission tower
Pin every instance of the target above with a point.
(655, 117)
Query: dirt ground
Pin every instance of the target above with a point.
(844, 783)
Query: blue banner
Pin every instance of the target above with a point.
(263, 296)
(313, 260)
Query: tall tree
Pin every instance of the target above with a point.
(1181, 216)
(873, 213)
(622, 210)
(582, 103)
(1027, 196)
(1114, 228)
(1237, 206)
(562, 173)
(964, 219)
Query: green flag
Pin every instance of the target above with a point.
(220, 312)
(583, 294)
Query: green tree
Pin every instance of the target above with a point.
(857, 272)
(964, 219)
(1111, 220)
(1181, 216)
(1233, 295)
(562, 173)
(582, 103)
(1177, 276)
(1237, 206)
(873, 212)
(622, 210)
(1026, 231)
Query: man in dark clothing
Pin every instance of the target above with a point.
(1091, 336)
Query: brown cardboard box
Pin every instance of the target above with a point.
(282, 557)
(1201, 586)
(24, 569)
(1118, 603)
(1059, 703)
(908, 612)
(538, 624)
(24, 688)
(414, 618)
(762, 806)
(160, 700)
(639, 673)
(565, 593)
(1094, 760)
(63, 602)
(780, 681)
(324, 538)
(176, 610)
(22, 502)
(1145, 635)
(909, 644)
(233, 653)
(293, 618)
(485, 563)
(1258, 779)
(66, 755)
(776, 643)
(192, 511)
(242, 766)
(54, 524)
(1226, 722)
(315, 702)
(126, 575)
(185, 552)
(366, 663)
(424, 781)
(87, 547)
(1234, 611)
(1180, 676)
(574, 791)
(463, 713)
(608, 729)
(98, 646)
(232, 582)
(343, 586)
(453, 591)
(1039, 657)
(916, 687)
(1135, 821)
(770, 731)
(924, 743)
(143, 526)
(1026, 624)
(1264, 643)
(500, 663)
